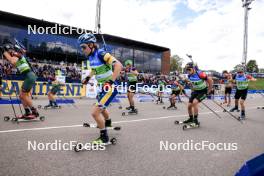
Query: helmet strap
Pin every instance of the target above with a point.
(91, 48)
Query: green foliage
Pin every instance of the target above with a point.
(176, 63)
(252, 66)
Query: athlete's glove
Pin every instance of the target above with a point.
(86, 80)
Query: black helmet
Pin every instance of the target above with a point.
(189, 65)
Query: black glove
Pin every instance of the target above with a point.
(86, 80)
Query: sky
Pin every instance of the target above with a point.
(210, 30)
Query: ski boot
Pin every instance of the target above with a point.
(132, 111)
(190, 120)
(34, 112)
(55, 106)
(234, 109)
(242, 116)
(128, 108)
(171, 107)
(108, 123)
(47, 106)
(103, 139)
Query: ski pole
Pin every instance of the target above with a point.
(209, 108)
(225, 110)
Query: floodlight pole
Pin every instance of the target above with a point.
(98, 17)
(246, 7)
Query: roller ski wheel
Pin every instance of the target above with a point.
(39, 106)
(164, 107)
(90, 125)
(120, 107)
(6, 118)
(176, 122)
(191, 125)
(14, 119)
(42, 118)
(46, 107)
(78, 147)
(113, 141)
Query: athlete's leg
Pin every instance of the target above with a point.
(173, 99)
(96, 113)
(229, 99)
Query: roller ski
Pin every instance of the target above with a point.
(190, 120)
(90, 125)
(191, 125)
(94, 146)
(25, 118)
(130, 112)
(98, 143)
(170, 107)
(260, 107)
(49, 107)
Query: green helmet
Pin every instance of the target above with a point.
(240, 68)
(128, 62)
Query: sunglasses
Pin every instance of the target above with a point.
(83, 47)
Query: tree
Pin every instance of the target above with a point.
(252, 66)
(176, 63)
(261, 70)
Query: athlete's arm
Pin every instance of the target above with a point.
(12, 59)
(134, 71)
(111, 60)
(251, 78)
(208, 79)
(180, 86)
(210, 84)
(86, 80)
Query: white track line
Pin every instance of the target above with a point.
(117, 122)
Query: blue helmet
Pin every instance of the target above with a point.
(86, 38)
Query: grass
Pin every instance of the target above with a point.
(257, 85)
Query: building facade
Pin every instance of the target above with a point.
(42, 44)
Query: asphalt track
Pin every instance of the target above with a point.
(137, 151)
